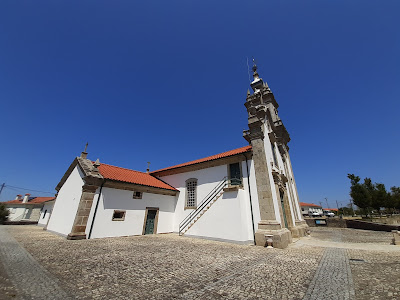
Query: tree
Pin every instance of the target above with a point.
(394, 198)
(380, 196)
(346, 211)
(3, 213)
(359, 193)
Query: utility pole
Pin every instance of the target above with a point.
(337, 206)
(327, 205)
(351, 206)
(2, 187)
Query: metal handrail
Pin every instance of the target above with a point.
(211, 195)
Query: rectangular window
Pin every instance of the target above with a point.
(137, 195)
(119, 215)
(235, 176)
(191, 193)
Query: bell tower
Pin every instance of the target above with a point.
(280, 214)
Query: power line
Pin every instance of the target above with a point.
(31, 190)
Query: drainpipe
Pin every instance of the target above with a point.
(95, 210)
(251, 204)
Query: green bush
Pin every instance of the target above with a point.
(3, 213)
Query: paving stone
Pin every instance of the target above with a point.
(30, 279)
(375, 275)
(172, 267)
(333, 279)
(348, 235)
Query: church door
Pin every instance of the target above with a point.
(151, 216)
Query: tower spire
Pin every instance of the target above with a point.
(255, 73)
(257, 82)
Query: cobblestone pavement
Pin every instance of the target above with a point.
(333, 278)
(34, 282)
(348, 235)
(7, 288)
(173, 267)
(375, 275)
(170, 267)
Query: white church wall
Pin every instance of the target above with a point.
(229, 217)
(45, 213)
(294, 189)
(122, 200)
(66, 204)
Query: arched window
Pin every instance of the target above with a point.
(191, 193)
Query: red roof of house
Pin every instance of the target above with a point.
(309, 204)
(131, 176)
(209, 158)
(36, 200)
(334, 209)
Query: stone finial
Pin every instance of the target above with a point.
(248, 92)
(96, 164)
(84, 153)
(148, 167)
(255, 73)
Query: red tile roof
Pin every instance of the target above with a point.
(131, 176)
(35, 200)
(309, 204)
(334, 209)
(209, 158)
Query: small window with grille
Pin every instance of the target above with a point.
(191, 193)
(137, 195)
(119, 215)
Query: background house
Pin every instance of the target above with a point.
(307, 209)
(29, 209)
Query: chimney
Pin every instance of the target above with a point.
(26, 198)
(148, 167)
(19, 197)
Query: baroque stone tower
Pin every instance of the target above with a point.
(280, 214)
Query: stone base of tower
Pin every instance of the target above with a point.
(281, 238)
(76, 236)
(300, 229)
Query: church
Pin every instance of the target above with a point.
(246, 195)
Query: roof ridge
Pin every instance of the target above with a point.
(199, 160)
(123, 168)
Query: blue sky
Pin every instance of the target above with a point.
(165, 82)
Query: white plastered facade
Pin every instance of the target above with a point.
(66, 204)
(45, 213)
(230, 217)
(135, 209)
(233, 217)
